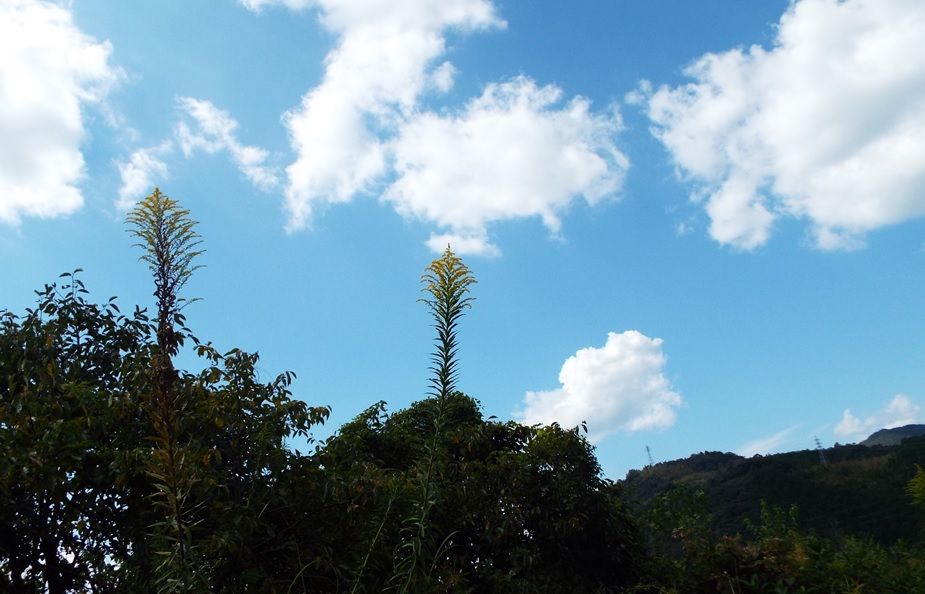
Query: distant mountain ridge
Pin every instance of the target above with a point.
(853, 490)
(894, 436)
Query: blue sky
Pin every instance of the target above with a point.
(696, 226)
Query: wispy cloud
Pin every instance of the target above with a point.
(201, 127)
(215, 130)
(768, 444)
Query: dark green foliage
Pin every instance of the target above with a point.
(72, 437)
(76, 446)
(916, 487)
(772, 555)
(121, 473)
(521, 509)
(894, 436)
(860, 492)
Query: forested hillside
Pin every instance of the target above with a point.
(851, 490)
(894, 436)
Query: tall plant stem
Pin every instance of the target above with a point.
(167, 236)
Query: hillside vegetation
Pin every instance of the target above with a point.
(894, 436)
(120, 472)
(858, 491)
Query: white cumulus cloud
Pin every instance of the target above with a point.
(618, 387)
(519, 150)
(827, 125)
(382, 63)
(900, 411)
(214, 130)
(513, 152)
(49, 71)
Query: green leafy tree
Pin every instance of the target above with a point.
(122, 473)
(521, 509)
(76, 507)
(221, 467)
(73, 488)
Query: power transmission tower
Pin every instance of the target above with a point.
(821, 451)
(649, 454)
